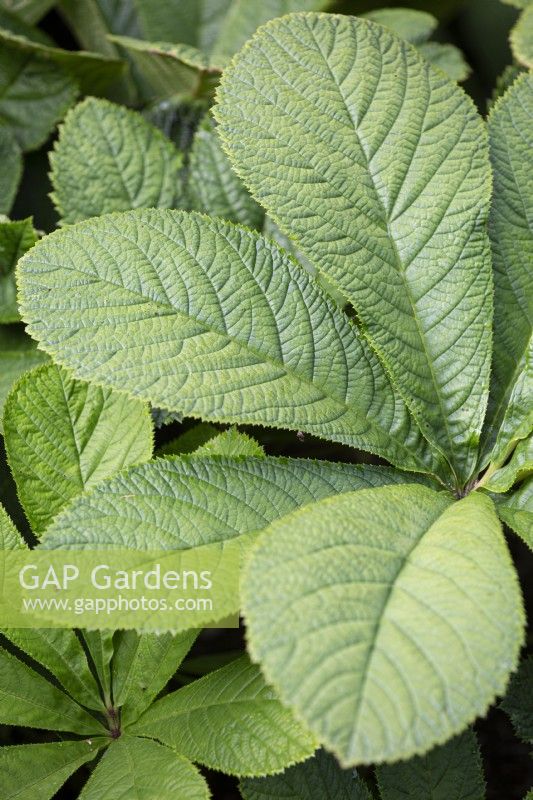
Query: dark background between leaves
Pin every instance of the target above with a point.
(480, 28)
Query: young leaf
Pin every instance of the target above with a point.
(516, 510)
(518, 702)
(144, 770)
(213, 187)
(231, 443)
(16, 238)
(196, 500)
(448, 58)
(39, 770)
(389, 618)
(519, 467)
(229, 720)
(18, 354)
(108, 158)
(318, 778)
(452, 771)
(11, 160)
(407, 23)
(522, 38)
(510, 413)
(63, 436)
(384, 184)
(191, 314)
(142, 666)
(27, 698)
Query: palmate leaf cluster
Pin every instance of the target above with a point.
(345, 252)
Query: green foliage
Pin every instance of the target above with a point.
(16, 238)
(522, 38)
(516, 510)
(18, 354)
(11, 160)
(518, 702)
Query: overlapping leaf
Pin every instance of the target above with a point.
(16, 238)
(516, 510)
(18, 354)
(518, 702)
(11, 160)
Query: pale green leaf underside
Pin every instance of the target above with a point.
(518, 702)
(516, 510)
(407, 23)
(318, 778)
(39, 770)
(510, 414)
(229, 720)
(141, 769)
(522, 38)
(209, 319)
(18, 354)
(399, 620)
(11, 160)
(63, 436)
(16, 237)
(452, 771)
(518, 468)
(108, 158)
(195, 500)
(384, 183)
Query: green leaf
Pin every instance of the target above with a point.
(100, 646)
(231, 443)
(450, 772)
(213, 187)
(510, 414)
(11, 160)
(108, 158)
(26, 698)
(30, 11)
(522, 38)
(516, 510)
(34, 95)
(389, 618)
(518, 468)
(407, 23)
(448, 58)
(230, 720)
(63, 436)
(16, 238)
(190, 313)
(18, 354)
(384, 184)
(144, 770)
(39, 770)
(192, 22)
(518, 702)
(318, 778)
(196, 500)
(10, 538)
(189, 441)
(142, 666)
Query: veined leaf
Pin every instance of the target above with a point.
(200, 500)
(16, 238)
(389, 618)
(189, 441)
(516, 510)
(231, 443)
(318, 778)
(26, 698)
(522, 38)
(10, 538)
(213, 187)
(145, 770)
(384, 184)
(229, 720)
(142, 666)
(108, 158)
(11, 160)
(101, 649)
(39, 770)
(518, 702)
(63, 436)
(407, 23)
(510, 414)
(448, 58)
(518, 468)
(191, 314)
(18, 354)
(452, 771)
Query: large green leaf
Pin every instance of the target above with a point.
(11, 160)
(16, 238)
(518, 702)
(229, 720)
(384, 184)
(510, 413)
(388, 618)
(192, 501)
(191, 314)
(452, 771)
(63, 436)
(144, 770)
(26, 698)
(516, 510)
(318, 778)
(39, 770)
(18, 354)
(522, 38)
(108, 158)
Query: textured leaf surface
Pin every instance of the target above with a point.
(16, 238)
(192, 501)
(144, 770)
(39, 770)
(450, 772)
(26, 698)
(18, 354)
(448, 58)
(108, 158)
(63, 436)
(516, 510)
(213, 187)
(318, 778)
(518, 702)
(11, 160)
(384, 183)
(10, 538)
(407, 23)
(511, 229)
(522, 38)
(518, 468)
(229, 720)
(191, 314)
(231, 443)
(100, 646)
(389, 618)
(189, 441)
